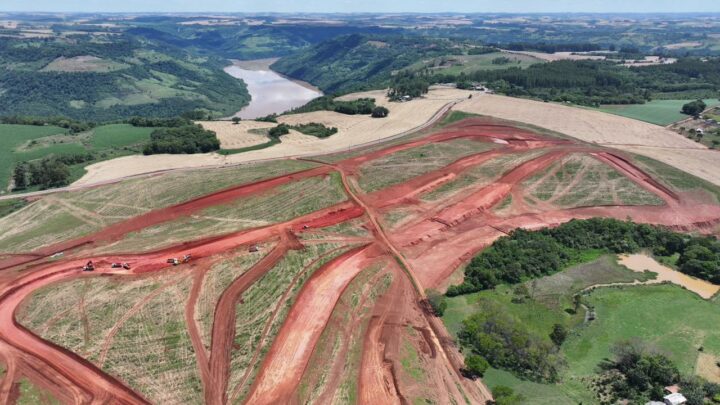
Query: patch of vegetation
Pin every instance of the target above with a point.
(312, 129)
(659, 112)
(531, 254)
(7, 207)
(694, 108)
(315, 129)
(361, 106)
(637, 373)
(507, 343)
(455, 116)
(187, 139)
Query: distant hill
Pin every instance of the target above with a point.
(358, 62)
(109, 77)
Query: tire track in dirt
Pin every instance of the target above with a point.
(285, 363)
(223, 331)
(236, 391)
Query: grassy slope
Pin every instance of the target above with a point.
(104, 142)
(659, 112)
(13, 136)
(674, 320)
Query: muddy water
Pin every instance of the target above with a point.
(640, 262)
(270, 92)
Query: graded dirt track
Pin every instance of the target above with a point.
(436, 239)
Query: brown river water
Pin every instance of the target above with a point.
(271, 92)
(640, 262)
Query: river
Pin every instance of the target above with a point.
(270, 91)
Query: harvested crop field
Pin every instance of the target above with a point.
(603, 129)
(283, 282)
(353, 130)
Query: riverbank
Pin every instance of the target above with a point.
(270, 92)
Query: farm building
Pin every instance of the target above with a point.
(675, 399)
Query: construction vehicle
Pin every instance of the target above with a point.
(125, 266)
(89, 266)
(173, 261)
(187, 258)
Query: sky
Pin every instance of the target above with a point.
(421, 6)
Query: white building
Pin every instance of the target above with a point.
(675, 399)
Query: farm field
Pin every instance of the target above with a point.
(604, 129)
(658, 112)
(456, 64)
(290, 287)
(25, 143)
(353, 130)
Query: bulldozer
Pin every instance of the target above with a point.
(89, 266)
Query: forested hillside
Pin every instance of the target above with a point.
(103, 78)
(356, 62)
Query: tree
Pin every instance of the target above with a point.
(20, 176)
(49, 172)
(236, 120)
(476, 365)
(504, 395)
(437, 302)
(380, 112)
(694, 108)
(559, 334)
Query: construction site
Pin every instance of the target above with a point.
(305, 283)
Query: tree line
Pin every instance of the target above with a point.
(526, 254)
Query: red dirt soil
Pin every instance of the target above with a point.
(436, 240)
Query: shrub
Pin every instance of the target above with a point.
(380, 112)
(476, 365)
(437, 302)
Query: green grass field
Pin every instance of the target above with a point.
(23, 143)
(14, 136)
(659, 112)
(669, 318)
(119, 135)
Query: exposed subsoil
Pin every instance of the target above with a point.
(430, 245)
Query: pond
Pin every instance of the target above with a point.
(271, 92)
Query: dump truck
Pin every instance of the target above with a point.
(89, 266)
(173, 261)
(125, 266)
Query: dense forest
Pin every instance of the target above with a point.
(525, 254)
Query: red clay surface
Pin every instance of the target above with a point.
(423, 252)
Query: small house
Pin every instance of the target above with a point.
(675, 399)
